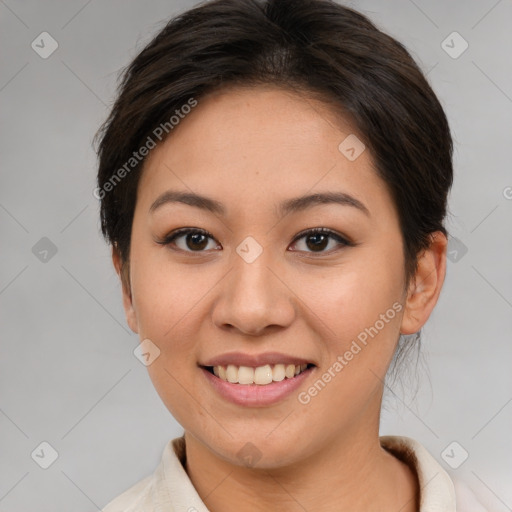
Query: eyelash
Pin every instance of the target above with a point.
(343, 242)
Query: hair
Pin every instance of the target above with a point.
(316, 47)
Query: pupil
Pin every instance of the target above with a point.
(319, 244)
(195, 237)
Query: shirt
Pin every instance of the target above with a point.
(169, 489)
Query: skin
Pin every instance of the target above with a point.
(251, 149)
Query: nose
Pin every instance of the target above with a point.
(253, 298)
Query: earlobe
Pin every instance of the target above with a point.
(122, 271)
(425, 285)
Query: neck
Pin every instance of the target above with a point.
(351, 472)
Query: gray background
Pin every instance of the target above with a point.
(68, 375)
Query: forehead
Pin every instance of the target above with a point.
(261, 117)
(244, 145)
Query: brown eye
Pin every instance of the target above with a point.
(196, 241)
(317, 240)
(190, 240)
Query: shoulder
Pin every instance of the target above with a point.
(168, 488)
(132, 497)
(142, 496)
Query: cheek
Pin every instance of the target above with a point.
(166, 300)
(351, 297)
(164, 294)
(357, 314)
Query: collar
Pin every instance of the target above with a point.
(437, 493)
(169, 489)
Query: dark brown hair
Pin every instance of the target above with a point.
(318, 47)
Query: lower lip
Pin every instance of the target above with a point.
(256, 395)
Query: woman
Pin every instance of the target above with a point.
(273, 180)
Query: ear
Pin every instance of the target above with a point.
(425, 285)
(123, 271)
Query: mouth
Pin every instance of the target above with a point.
(258, 375)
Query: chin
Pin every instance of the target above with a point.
(260, 452)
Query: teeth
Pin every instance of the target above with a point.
(245, 375)
(278, 373)
(289, 371)
(232, 373)
(261, 375)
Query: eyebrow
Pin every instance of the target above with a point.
(295, 204)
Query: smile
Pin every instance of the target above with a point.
(256, 386)
(260, 375)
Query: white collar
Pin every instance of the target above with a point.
(437, 493)
(169, 489)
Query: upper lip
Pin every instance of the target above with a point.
(241, 359)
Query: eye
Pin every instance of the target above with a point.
(194, 239)
(318, 239)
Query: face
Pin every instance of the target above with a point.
(250, 283)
